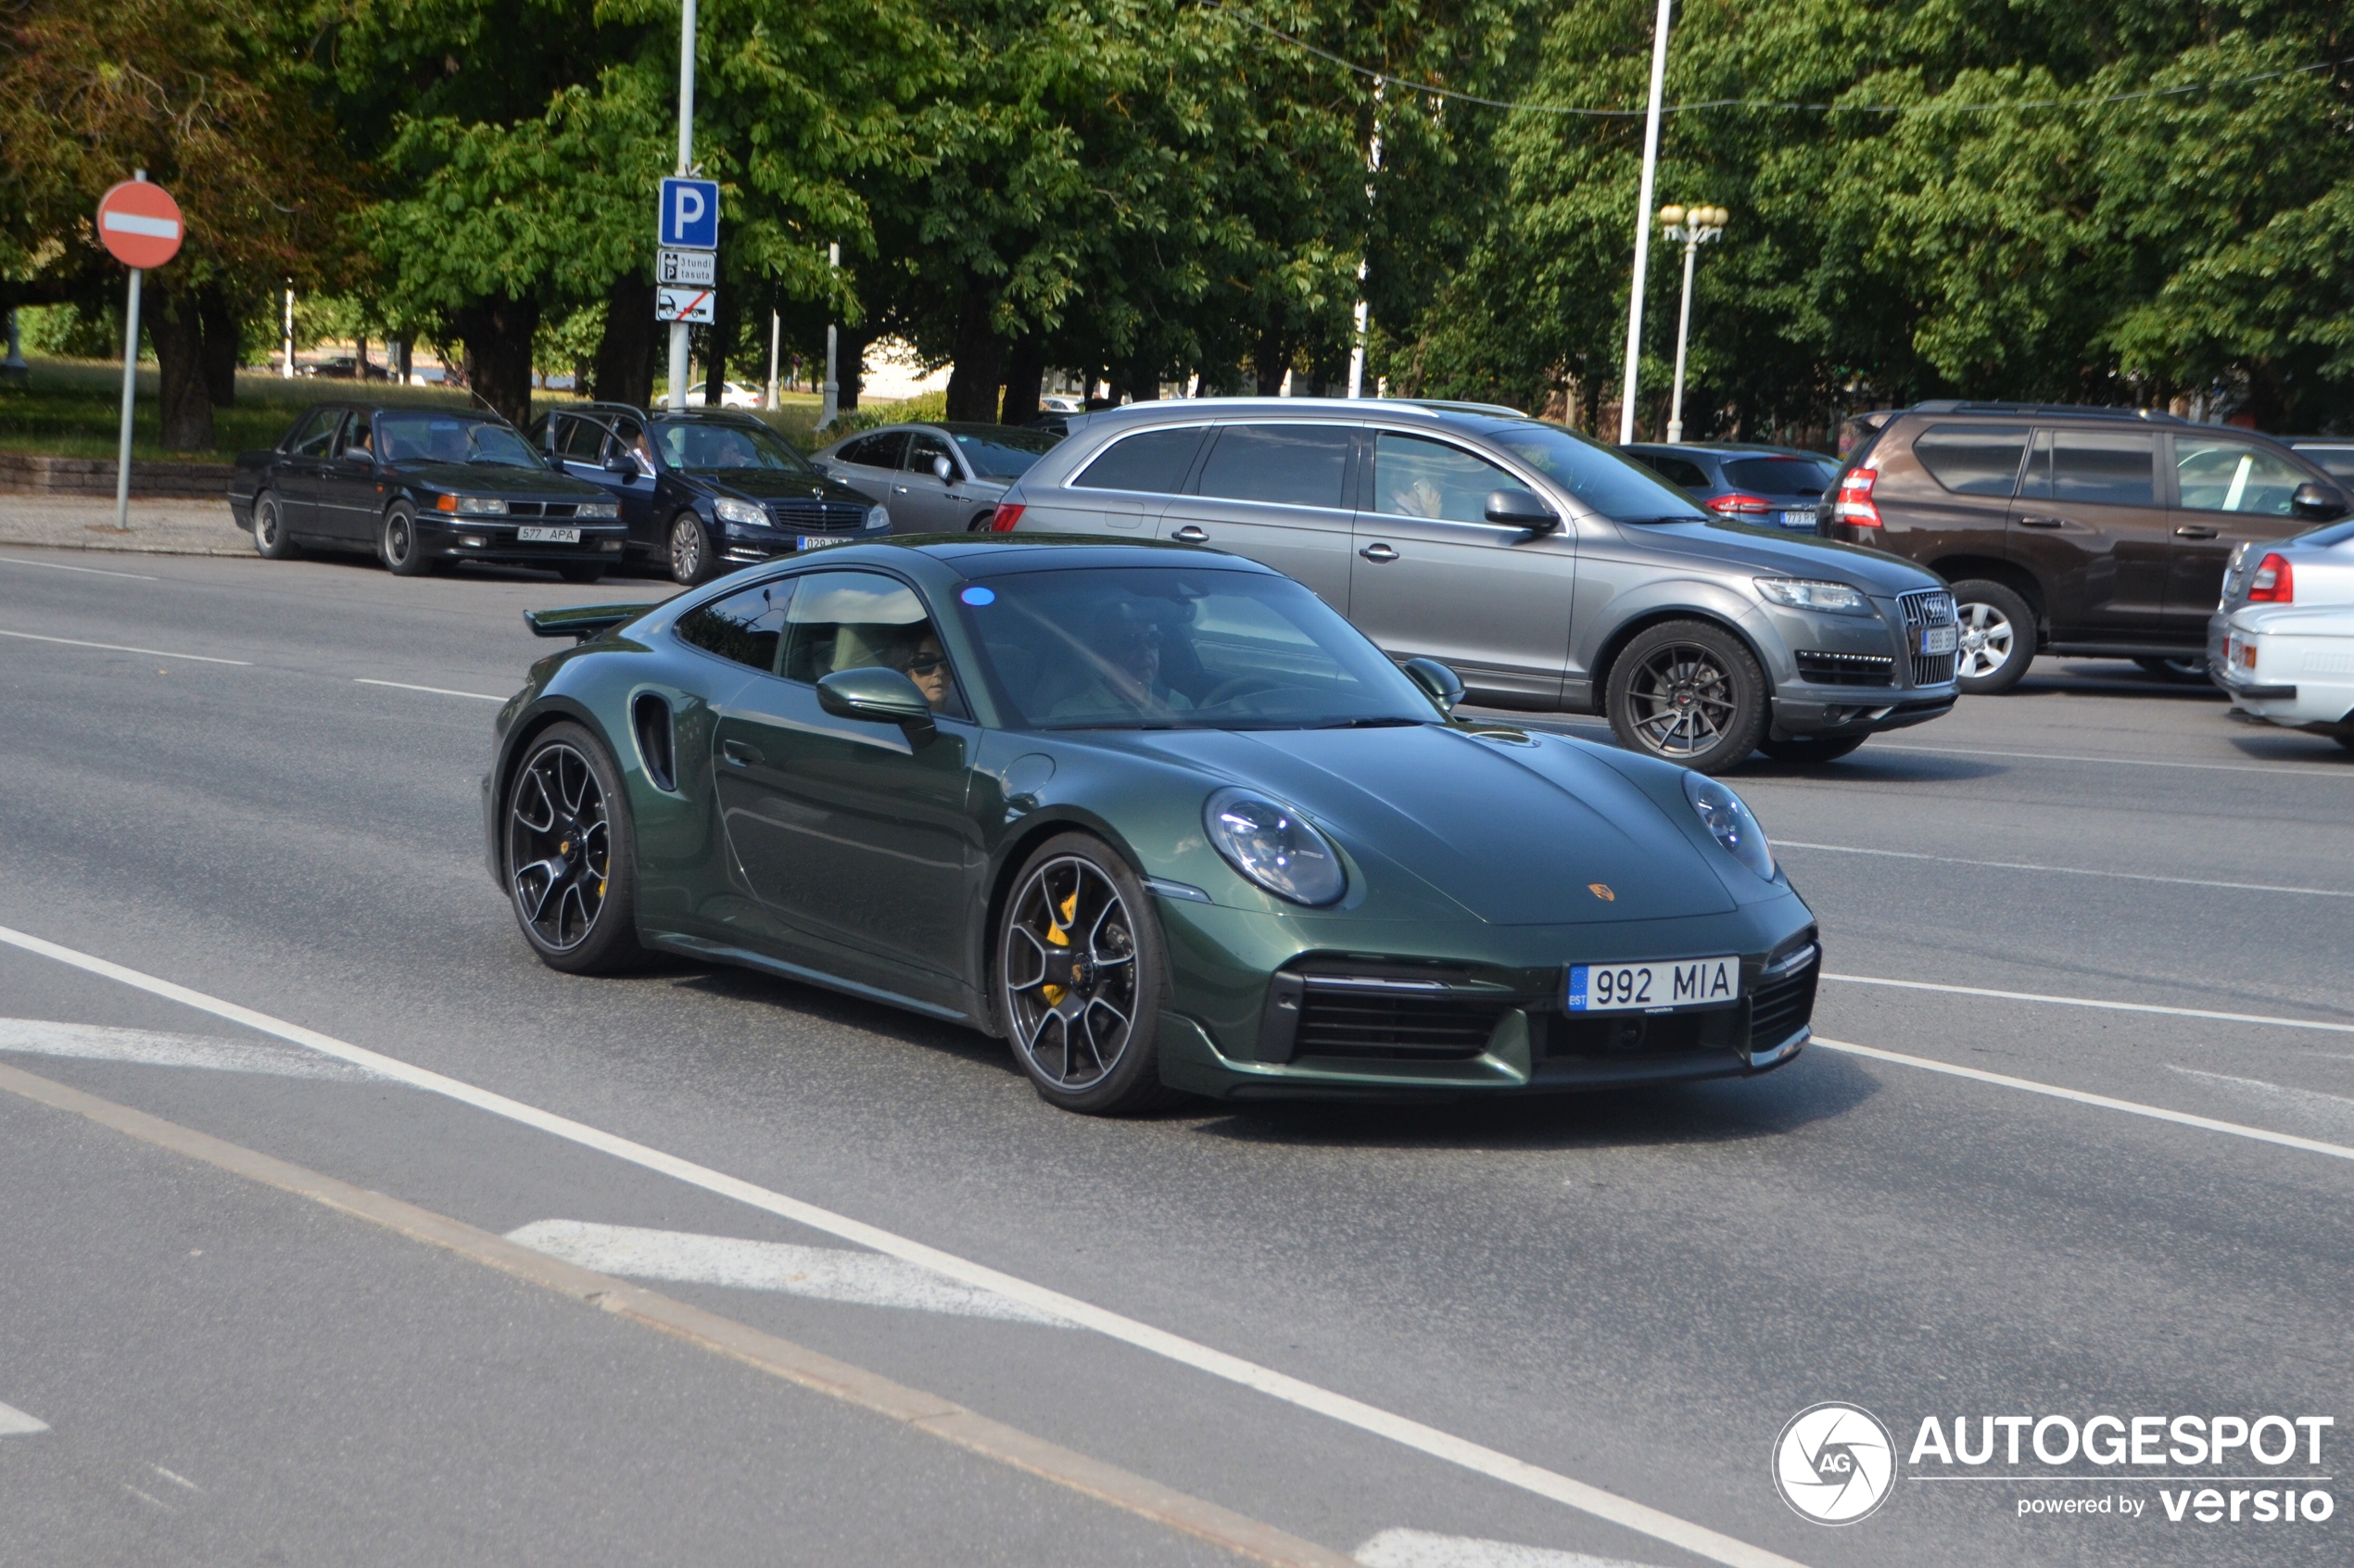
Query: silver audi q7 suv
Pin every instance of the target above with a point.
(1549, 573)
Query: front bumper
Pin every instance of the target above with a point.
(1799, 711)
(453, 538)
(747, 544)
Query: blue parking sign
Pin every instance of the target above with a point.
(689, 217)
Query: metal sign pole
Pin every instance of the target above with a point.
(130, 391)
(776, 331)
(685, 166)
(830, 396)
(1643, 225)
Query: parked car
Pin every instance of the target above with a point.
(2292, 666)
(2067, 529)
(936, 479)
(421, 488)
(1772, 486)
(2334, 454)
(1062, 402)
(704, 489)
(343, 367)
(2312, 571)
(733, 395)
(1550, 571)
(1155, 817)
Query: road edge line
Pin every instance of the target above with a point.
(2096, 1003)
(943, 1419)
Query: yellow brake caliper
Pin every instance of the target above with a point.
(1057, 934)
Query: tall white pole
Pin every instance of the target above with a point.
(1372, 166)
(686, 167)
(1683, 335)
(830, 394)
(130, 391)
(1643, 223)
(287, 371)
(776, 330)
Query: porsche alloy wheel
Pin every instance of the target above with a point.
(1689, 692)
(1078, 971)
(568, 854)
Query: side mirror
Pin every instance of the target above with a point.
(353, 457)
(1519, 509)
(944, 471)
(878, 696)
(2318, 501)
(623, 465)
(1440, 683)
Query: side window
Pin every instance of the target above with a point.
(923, 448)
(584, 440)
(1284, 465)
(356, 440)
(1151, 460)
(315, 434)
(2212, 475)
(875, 451)
(1675, 471)
(629, 436)
(1416, 477)
(1973, 460)
(745, 627)
(2093, 467)
(863, 620)
(546, 431)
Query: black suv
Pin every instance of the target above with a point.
(706, 489)
(2067, 529)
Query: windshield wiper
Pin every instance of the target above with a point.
(1385, 721)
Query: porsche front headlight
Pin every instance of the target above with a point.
(730, 510)
(1730, 823)
(1809, 593)
(1270, 844)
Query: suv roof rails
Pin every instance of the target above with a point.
(2084, 411)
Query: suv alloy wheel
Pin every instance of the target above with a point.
(1998, 636)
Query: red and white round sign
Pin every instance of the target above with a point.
(139, 224)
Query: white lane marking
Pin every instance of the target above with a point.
(144, 1048)
(174, 1479)
(119, 648)
(1420, 1549)
(2105, 1102)
(14, 1423)
(437, 691)
(2093, 1002)
(826, 1273)
(2335, 1112)
(1697, 1539)
(2063, 870)
(61, 566)
(2121, 762)
(144, 1498)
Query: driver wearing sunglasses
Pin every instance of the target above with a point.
(925, 662)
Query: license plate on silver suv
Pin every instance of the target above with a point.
(1664, 982)
(548, 536)
(1941, 639)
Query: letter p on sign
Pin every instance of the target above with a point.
(689, 216)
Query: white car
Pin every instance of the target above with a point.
(733, 395)
(2312, 571)
(2293, 666)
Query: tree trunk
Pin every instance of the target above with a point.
(172, 327)
(497, 334)
(850, 366)
(980, 357)
(224, 343)
(1025, 375)
(399, 355)
(1271, 360)
(625, 368)
(360, 367)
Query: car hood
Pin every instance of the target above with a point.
(778, 484)
(1515, 831)
(497, 479)
(1778, 553)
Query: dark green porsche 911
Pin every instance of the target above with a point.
(1155, 815)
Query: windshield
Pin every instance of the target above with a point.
(1002, 454)
(701, 446)
(1197, 648)
(1596, 475)
(442, 437)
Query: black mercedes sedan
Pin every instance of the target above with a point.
(705, 490)
(421, 488)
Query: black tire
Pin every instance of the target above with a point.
(2185, 670)
(272, 540)
(398, 545)
(981, 523)
(1811, 750)
(1108, 1002)
(2346, 741)
(1998, 636)
(687, 546)
(1689, 692)
(582, 571)
(568, 852)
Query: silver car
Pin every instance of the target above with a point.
(935, 478)
(1546, 571)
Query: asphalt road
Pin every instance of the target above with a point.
(1635, 1291)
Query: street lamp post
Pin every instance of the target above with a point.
(678, 367)
(830, 394)
(1695, 226)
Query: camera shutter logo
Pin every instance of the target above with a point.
(1834, 1463)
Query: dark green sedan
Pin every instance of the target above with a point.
(1157, 815)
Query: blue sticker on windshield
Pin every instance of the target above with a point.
(979, 595)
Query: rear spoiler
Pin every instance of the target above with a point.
(582, 621)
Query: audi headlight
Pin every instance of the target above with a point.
(1271, 845)
(730, 510)
(878, 518)
(481, 506)
(1730, 822)
(1808, 593)
(603, 512)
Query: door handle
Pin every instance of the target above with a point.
(901, 489)
(1191, 533)
(2191, 532)
(741, 754)
(1378, 552)
(2042, 522)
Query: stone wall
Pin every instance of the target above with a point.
(25, 473)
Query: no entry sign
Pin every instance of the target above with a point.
(139, 224)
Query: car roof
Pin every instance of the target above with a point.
(1468, 417)
(993, 555)
(2042, 410)
(1727, 448)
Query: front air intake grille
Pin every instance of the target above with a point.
(1373, 1016)
(819, 516)
(1847, 669)
(1784, 1002)
(1925, 608)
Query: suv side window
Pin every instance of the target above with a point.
(2226, 475)
(1281, 464)
(2095, 467)
(1417, 477)
(744, 627)
(1151, 460)
(1973, 460)
(312, 437)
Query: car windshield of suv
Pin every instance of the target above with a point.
(1201, 648)
(1002, 454)
(711, 447)
(446, 437)
(1779, 475)
(1596, 475)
